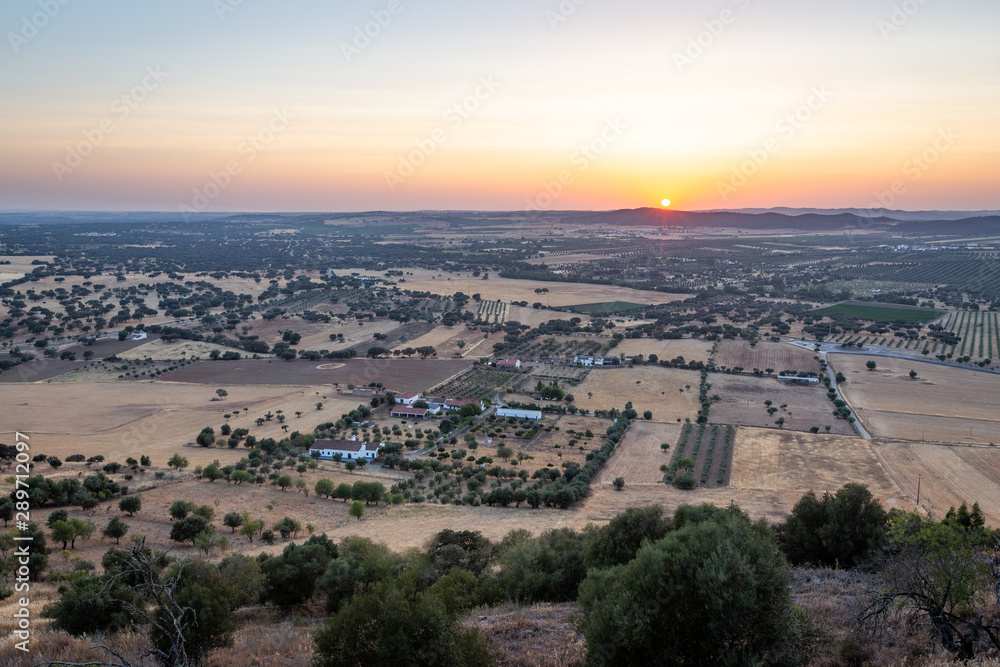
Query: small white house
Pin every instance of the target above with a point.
(138, 335)
(348, 449)
(509, 363)
(407, 398)
(588, 360)
(519, 414)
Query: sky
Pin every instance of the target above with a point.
(346, 105)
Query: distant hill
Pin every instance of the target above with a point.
(654, 217)
(904, 216)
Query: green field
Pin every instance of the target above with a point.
(880, 312)
(605, 308)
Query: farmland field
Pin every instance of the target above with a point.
(455, 341)
(475, 383)
(743, 397)
(179, 349)
(638, 456)
(790, 464)
(662, 391)
(509, 289)
(396, 374)
(943, 404)
(154, 418)
(559, 372)
(979, 331)
(492, 312)
(777, 356)
(666, 350)
(710, 446)
(880, 312)
(535, 316)
(948, 475)
(605, 308)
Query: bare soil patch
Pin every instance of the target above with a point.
(778, 356)
(662, 391)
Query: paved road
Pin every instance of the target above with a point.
(862, 431)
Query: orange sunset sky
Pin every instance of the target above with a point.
(314, 105)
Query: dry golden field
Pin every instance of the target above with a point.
(20, 265)
(446, 341)
(666, 350)
(506, 289)
(158, 419)
(652, 388)
(947, 475)
(943, 404)
(533, 317)
(788, 464)
(743, 404)
(777, 356)
(179, 349)
(638, 456)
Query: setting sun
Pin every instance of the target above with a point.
(665, 203)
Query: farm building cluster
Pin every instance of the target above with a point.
(411, 406)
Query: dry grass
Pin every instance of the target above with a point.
(638, 456)
(539, 636)
(948, 475)
(505, 289)
(157, 419)
(446, 341)
(534, 317)
(943, 404)
(743, 404)
(690, 349)
(650, 388)
(790, 464)
(180, 349)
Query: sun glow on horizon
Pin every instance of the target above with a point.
(665, 203)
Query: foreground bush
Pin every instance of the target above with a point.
(713, 591)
